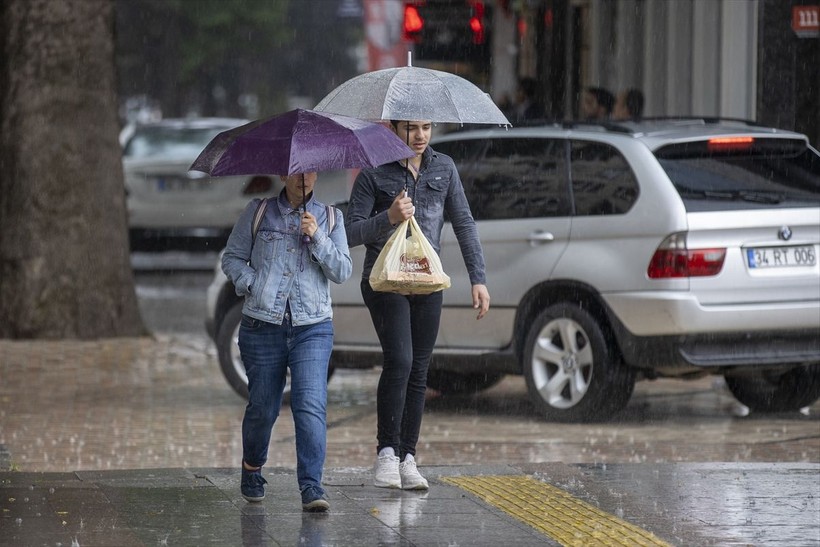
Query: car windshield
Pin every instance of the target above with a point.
(743, 175)
(169, 142)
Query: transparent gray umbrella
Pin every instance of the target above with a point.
(412, 93)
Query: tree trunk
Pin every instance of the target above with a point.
(64, 259)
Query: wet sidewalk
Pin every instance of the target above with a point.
(133, 442)
(543, 504)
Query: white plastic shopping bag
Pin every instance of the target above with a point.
(408, 264)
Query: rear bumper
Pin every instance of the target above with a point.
(672, 334)
(672, 313)
(180, 232)
(719, 352)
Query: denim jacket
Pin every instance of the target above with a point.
(278, 267)
(436, 192)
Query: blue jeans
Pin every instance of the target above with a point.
(268, 351)
(407, 327)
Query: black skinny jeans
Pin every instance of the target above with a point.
(407, 327)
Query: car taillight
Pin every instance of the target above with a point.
(674, 259)
(259, 185)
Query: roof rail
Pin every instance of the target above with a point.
(564, 123)
(702, 119)
(609, 125)
(629, 127)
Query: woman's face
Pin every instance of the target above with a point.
(294, 183)
(620, 111)
(589, 105)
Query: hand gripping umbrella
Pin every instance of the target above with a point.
(412, 93)
(300, 141)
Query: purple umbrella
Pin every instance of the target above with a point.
(300, 141)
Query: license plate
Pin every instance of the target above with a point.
(781, 257)
(179, 184)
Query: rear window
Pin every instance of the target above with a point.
(743, 173)
(169, 142)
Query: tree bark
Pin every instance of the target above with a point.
(64, 257)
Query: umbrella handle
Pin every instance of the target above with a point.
(305, 237)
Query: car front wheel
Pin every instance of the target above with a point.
(571, 373)
(230, 360)
(227, 346)
(770, 391)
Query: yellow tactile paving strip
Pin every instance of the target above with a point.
(554, 512)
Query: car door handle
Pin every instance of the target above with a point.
(540, 237)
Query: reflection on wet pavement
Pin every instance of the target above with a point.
(162, 402)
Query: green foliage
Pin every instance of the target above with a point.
(217, 32)
(208, 56)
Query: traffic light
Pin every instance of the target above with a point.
(413, 23)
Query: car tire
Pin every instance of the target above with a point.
(227, 347)
(448, 382)
(230, 360)
(769, 391)
(566, 343)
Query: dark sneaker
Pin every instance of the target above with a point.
(253, 485)
(314, 500)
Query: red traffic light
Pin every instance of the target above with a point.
(477, 22)
(413, 23)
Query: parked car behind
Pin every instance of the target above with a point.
(616, 253)
(164, 199)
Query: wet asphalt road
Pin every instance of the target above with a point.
(173, 282)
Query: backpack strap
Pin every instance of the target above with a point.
(257, 218)
(331, 218)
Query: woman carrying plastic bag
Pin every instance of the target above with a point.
(407, 321)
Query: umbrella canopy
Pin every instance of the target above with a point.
(300, 141)
(412, 93)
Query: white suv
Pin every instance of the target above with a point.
(618, 252)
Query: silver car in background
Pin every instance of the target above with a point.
(164, 199)
(622, 252)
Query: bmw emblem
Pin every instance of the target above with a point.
(785, 233)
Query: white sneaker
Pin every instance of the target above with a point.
(411, 479)
(387, 470)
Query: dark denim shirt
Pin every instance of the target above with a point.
(438, 190)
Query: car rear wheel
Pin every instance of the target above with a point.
(455, 383)
(770, 391)
(230, 360)
(571, 373)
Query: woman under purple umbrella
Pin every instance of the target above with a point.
(286, 325)
(280, 256)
